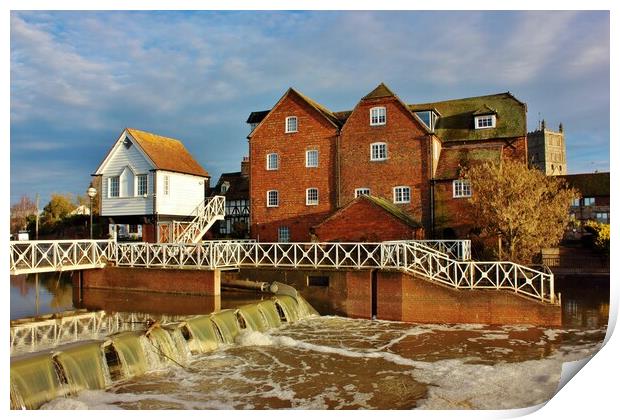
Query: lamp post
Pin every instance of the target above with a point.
(92, 192)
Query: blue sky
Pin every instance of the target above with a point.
(79, 78)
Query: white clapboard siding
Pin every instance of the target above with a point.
(126, 163)
(185, 193)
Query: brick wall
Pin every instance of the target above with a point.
(292, 178)
(404, 298)
(408, 156)
(516, 149)
(363, 221)
(401, 297)
(348, 293)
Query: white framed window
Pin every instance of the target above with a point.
(143, 183)
(166, 184)
(461, 188)
(312, 196)
(273, 199)
(114, 186)
(589, 201)
(272, 161)
(290, 125)
(377, 115)
(574, 202)
(378, 151)
(362, 191)
(284, 234)
(402, 194)
(484, 121)
(312, 158)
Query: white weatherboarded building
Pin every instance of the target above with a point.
(147, 181)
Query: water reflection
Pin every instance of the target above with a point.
(39, 294)
(585, 301)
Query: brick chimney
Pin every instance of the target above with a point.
(245, 166)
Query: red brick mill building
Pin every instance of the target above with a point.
(307, 164)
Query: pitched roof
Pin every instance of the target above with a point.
(238, 186)
(382, 203)
(381, 91)
(257, 116)
(166, 153)
(320, 108)
(594, 184)
(457, 122)
(453, 158)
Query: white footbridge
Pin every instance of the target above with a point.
(444, 262)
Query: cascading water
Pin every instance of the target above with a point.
(204, 338)
(84, 366)
(165, 346)
(131, 354)
(254, 318)
(34, 380)
(38, 379)
(289, 305)
(270, 312)
(226, 322)
(304, 308)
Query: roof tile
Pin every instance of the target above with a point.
(167, 154)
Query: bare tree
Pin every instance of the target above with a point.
(523, 208)
(20, 212)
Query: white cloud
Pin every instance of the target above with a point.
(197, 75)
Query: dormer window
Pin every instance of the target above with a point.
(484, 121)
(225, 186)
(291, 125)
(377, 115)
(428, 118)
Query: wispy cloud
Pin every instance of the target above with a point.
(78, 78)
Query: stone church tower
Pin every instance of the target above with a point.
(546, 150)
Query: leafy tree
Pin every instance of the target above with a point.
(59, 206)
(601, 235)
(21, 211)
(522, 207)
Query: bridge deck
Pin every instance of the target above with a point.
(442, 262)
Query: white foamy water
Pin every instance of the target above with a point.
(339, 363)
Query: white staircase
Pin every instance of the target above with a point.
(204, 215)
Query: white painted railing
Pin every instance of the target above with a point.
(456, 249)
(443, 262)
(205, 214)
(498, 275)
(37, 334)
(415, 257)
(42, 256)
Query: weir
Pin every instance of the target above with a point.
(97, 364)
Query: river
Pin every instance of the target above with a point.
(329, 362)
